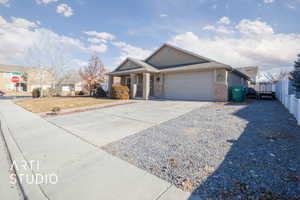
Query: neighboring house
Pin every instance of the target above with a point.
(30, 78)
(173, 73)
(252, 72)
(117, 80)
(72, 83)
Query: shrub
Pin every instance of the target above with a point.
(55, 109)
(79, 93)
(100, 92)
(119, 92)
(296, 77)
(36, 93)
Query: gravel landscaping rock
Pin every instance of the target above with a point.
(222, 151)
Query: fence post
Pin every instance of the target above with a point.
(298, 112)
(286, 93)
(295, 110)
(291, 107)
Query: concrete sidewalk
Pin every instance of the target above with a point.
(83, 170)
(8, 189)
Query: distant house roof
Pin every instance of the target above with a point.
(14, 68)
(145, 65)
(73, 78)
(250, 71)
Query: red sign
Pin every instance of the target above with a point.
(15, 79)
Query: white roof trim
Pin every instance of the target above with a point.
(140, 63)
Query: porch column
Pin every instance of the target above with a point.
(133, 86)
(146, 85)
(110, 82)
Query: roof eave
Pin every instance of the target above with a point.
(125, 72)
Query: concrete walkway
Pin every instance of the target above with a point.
(83, 170)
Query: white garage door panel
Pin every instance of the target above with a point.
(189, 86)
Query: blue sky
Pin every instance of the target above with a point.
(240, 33)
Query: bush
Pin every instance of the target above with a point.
(79, 93)
(55, 109)
(36, 93)
(119, 92)
(100, 92)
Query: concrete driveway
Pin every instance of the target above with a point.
(104, 126)
(68, 146)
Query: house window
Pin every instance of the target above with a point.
(10, 86)
(220, 76)
(6, 75)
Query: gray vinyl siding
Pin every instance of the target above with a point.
(169, 57)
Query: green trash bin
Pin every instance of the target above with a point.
(238, 93)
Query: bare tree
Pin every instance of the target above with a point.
(93, 75)
(274, 77)
(48, 54)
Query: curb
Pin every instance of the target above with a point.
(29, 191)
(86, 108)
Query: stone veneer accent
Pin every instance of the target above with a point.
(221, 92)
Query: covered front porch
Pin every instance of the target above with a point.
(142, 79)
(141, 85)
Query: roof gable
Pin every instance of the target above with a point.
(131, 64)
(168, 56)
(127, 65)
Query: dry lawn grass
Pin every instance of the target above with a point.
(13, 93)
(46, 104)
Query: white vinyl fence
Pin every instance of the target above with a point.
(284, 93)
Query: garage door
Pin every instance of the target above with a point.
(189, 86)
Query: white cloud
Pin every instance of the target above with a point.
(128, 50)
(14, 47)
(23, 23)
(102, 35)
(78, 63)
(254, 28)
(163, 15)
(257, 46)
(45, 1)
(96, 40)
(4, 2)
(217, 29)
(290, 6)
(224, 20)
(101, 48)
(269, 1)
(119, 44)
(65, 10)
